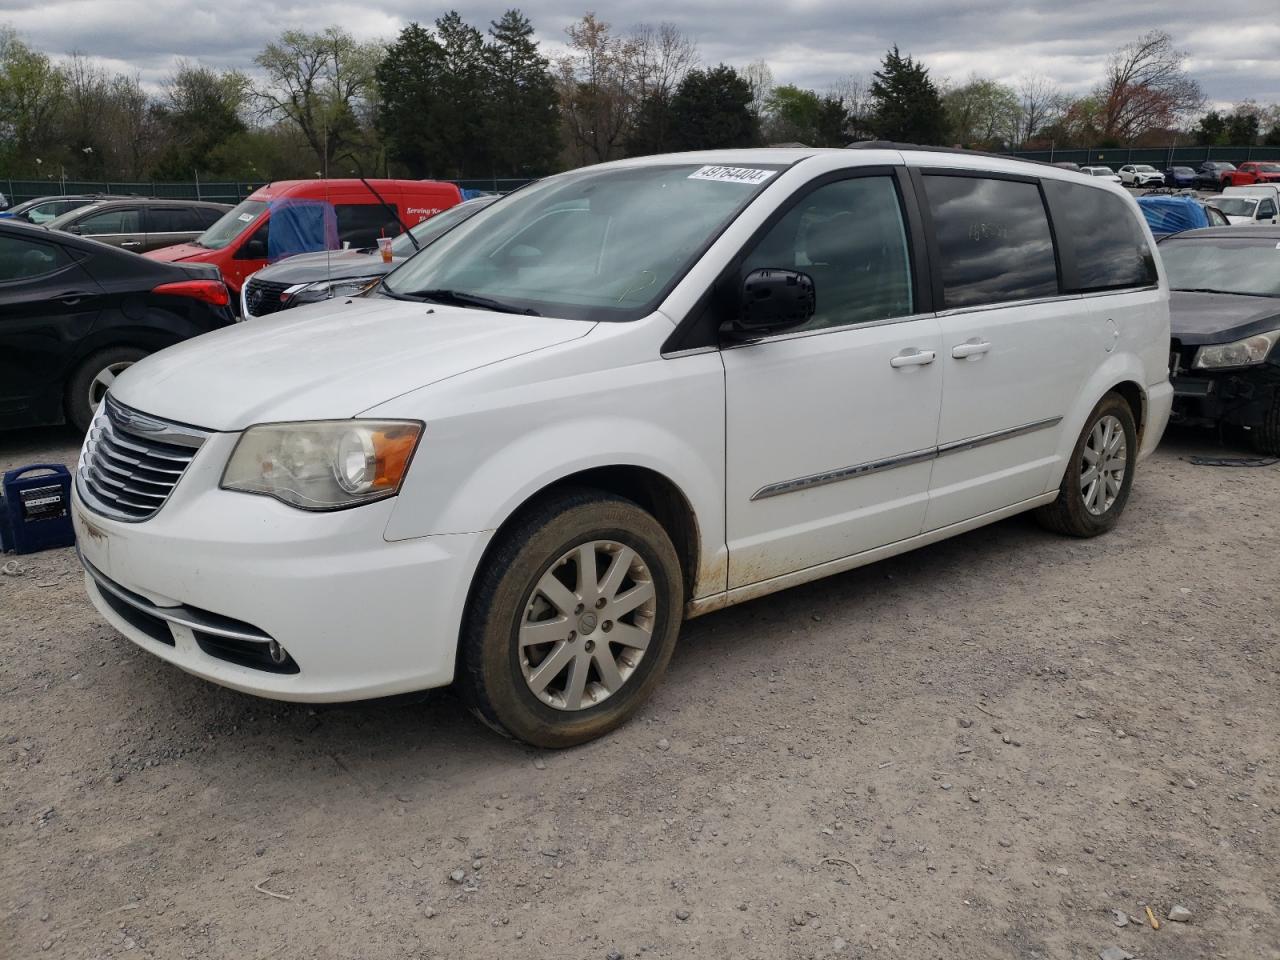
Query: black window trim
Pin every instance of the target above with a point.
(689, 338)
(918, 174)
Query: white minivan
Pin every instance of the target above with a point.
(620, 397)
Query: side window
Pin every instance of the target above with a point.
(22, 259)
(207, 216)
(1109, 247)
(360, 225)
(110, 222)
(173, 220)
(994, 242)
(849, 236)
(1266, 210)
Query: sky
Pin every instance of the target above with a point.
(1233, 44)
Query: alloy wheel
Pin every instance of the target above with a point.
(100, 384)
(587, 624)
(1103, 464)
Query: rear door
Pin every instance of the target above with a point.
(830, 428)
(1015, 350)
(172, 224)
(119, 226)
(47, 303)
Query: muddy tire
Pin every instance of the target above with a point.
(572, 620)
(1095, 487)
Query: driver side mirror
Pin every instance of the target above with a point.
(254, 250)
(774, 300)
(76, 229)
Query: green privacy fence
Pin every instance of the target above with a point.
(218, 191)
(1156, 156)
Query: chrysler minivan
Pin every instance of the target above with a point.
(624, 396)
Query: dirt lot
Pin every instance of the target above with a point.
(978, 750)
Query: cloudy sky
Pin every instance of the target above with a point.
(1234, 45)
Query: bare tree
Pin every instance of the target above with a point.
(1039, 104)
(1146, 88)
(760, 78)
(597, 88)
(854, 94)
(663, 56)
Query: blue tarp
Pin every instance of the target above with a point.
(1173, 214)
(301, 226)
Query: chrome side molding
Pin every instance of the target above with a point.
(902, 460)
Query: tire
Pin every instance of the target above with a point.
(1071, 513)
(91, 379)
(1265, 437)
(498, 658)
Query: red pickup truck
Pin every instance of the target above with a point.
(1252, 171)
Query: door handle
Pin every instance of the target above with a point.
(912, 357)
(131, 243)
(72, 297)
(970, 348)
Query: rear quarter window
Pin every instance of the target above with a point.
(993, 240)
(1100, 234)
(360, 225)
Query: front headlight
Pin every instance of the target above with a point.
(327, 289)
(1242, 353)
(323, 465)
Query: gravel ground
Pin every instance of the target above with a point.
(981, 749)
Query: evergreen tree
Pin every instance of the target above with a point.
(463, 98)
(522, 114)
(711, 110)
(906, 105)
(831, 126)
(408, 80)
(651, 130)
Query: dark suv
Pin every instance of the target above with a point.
(140, 224)
(1211, 173)
(43, 209)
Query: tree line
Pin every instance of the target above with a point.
(451, 100)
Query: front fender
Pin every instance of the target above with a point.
(478, 462)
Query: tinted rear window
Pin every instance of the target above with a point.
(994, 241)
(1103, 236)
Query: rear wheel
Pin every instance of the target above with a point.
(1095, 487)
(93, 378)
(572, 621)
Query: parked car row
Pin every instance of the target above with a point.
(1209, 175)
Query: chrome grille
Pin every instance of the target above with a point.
(130, 461)
(262, 297)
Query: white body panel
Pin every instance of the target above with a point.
(370, 600)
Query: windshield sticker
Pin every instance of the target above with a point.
(245, 217)
(745, 175)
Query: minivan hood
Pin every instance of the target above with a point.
(180, 251)
(327, 361)
(1198, 318)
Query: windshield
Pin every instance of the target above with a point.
(1145, 168)
(1223, 264)
(437, 226)
(232, 224)
(590, 245)
(1236, 206)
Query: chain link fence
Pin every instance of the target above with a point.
(1157, 156)
(218, 191)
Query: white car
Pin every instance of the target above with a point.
(1255, 203)
(624, 396)
(1140, 175)
(1105, 172)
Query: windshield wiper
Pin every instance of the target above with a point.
(464, 299)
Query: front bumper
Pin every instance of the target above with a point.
(225, 573)
(1241, 398)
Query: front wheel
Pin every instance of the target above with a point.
(1265, 437)
(1095, 487)
(572, 620)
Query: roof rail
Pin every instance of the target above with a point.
(894, 145)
